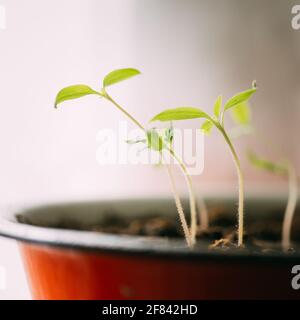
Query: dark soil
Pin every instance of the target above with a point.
(221, 233)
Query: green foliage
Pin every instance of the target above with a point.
(239, 98)
(169, 135)
(73, 92)
(207, 127)
(81, 90)
(241, 113)
(238, 101)
(154, 140)
(136, 141)
(218, 106)
(119, 75)
(181, 113)
(267, 165)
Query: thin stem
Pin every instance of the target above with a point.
(290, 209)
(241, 185)
(109, 98)
(191, 194)
(179, 207)
(203, 213)
(222, 119)
(177, 199)
(200, 203)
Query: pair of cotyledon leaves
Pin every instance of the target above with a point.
(154, 139)
(81, 90)
(238, 104)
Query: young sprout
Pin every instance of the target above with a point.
(167, 140)
(287, 170)
(241, 115)
(152, 139)
(217, 120)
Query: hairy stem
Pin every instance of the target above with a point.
(241, 185)
(189, 182)
(191, 238)
(290, 209)
(182, 218)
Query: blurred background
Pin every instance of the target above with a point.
(189, 52)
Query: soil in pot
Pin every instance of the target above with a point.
(263, 234)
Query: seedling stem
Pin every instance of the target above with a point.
(192, 233)
(155, 143)
(290, 209)
(240, 183)
(217, 120)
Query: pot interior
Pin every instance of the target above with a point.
(93, 212)
(39, 224)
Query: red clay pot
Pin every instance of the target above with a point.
(64, 264)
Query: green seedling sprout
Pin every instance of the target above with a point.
(152, 137)
(217, 120)
(287, 170)
(241, 115)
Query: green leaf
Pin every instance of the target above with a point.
(241, 113)
(207, 126)
(154, 140)
(218, 106)
(182, 113)
(73, 92)
(119, 75)
(239, 98)
(136, 141)
(169, 135)
(266, 165)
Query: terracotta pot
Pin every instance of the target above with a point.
(67, 264)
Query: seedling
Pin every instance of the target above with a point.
(241, 115)
(153, 140)
(217, 120)
(287, 170)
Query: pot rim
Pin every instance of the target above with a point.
(122, 244)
